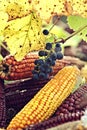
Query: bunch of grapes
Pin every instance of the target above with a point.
(47, 59)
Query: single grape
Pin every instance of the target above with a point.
(49, 60)
(57, 49)
(46, 76)
(46, 64)
(45, 32)
(59, 55)
(36, 62)
(57, 44)
(42, 75)
(48, 70)
(48, 46)
(36, 76)
(39, 62)
(53, 56)
(41, 53)
(42, 68)
(52, 63)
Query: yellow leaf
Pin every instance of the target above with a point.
(24, 35)
(3, 21)
(15, 8)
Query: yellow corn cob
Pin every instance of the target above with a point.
(47, 100)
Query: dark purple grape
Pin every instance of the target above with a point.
(48, 46)
(58, 49)
(52, 63)
(45, 32)
(39, 62)
(42, 68)
(59, 56)
(41, 75)
(46, 65)
(41, 53)
(57, 45)
(36, 62)
(48, 70)
(46, 76)
(53, 56)
(36, 76)
(49, 60)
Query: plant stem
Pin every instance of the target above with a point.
(55, 22)
(73, 34)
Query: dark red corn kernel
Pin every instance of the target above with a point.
(78, 106)
(77, 116)
(65, 105)
(62, 118)
(71, 109)
(75, 97)
(79, 99)
(61, 114)
(71, 104)
(69, 117)
(73, 116)
(71, 100)
(67, 102)
(78, 95)
(64, 110)
(66, 118)
(76, 102)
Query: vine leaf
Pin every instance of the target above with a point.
(78, 23)
(15, 8)
(3, 21)
(24, 35)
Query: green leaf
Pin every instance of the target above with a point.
(78, 23)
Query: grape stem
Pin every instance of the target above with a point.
(73, 34)
(54, 23)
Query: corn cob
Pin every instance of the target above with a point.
(46, 101)
(2, 105)
(15, 70)
(55, 121)
(70, 110)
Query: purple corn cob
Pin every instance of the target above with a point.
(2, 105)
